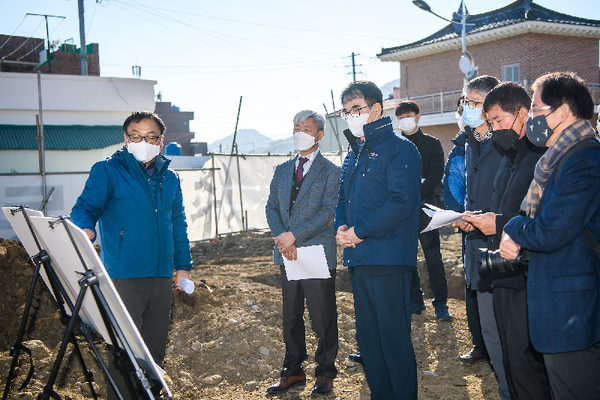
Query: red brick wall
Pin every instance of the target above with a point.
(16, 41)
(443, 132)
(67, 63)
(535, 53)
(64, 63)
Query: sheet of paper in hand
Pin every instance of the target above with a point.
(440, 217)
(311, 264)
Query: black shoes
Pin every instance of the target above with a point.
(473, 357)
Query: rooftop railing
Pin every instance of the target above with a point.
(444, 102)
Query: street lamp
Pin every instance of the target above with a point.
(465, 63)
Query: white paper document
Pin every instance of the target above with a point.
(311, 264)
(440, 217)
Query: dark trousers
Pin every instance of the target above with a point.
(575, 375)
(320, 300)
(148, 301)
(382, 308)
(430, 243)
(473, 320)
(524, 366)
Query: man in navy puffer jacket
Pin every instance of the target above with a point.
(377, 221)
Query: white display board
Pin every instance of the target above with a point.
(53, 237)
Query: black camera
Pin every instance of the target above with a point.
(492, 263)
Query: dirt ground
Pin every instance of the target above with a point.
(225, 340)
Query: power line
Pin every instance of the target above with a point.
(227, 66)
(208, 32)
(345, 34)
(192, 37)
(12, 34)
(240, 70)
(25, 41)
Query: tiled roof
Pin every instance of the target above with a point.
(513, 13)
(60, 137)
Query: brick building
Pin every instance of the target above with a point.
(178, 126)
(22, 54)
(518, 42)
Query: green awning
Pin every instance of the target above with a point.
(60, 137)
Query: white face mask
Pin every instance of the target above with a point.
(142, 151)
(303, 141)
(407, 124)
(356, 124)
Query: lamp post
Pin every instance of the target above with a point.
(465, 63)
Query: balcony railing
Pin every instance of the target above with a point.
(444, 102)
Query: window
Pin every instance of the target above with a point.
(510, 72)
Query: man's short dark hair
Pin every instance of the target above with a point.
(406, 106)
(482, 84)
(365, 89)
(559, 88)
(138, 116)
(509, 96)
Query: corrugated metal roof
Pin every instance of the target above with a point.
(61, 137)
(513, 13)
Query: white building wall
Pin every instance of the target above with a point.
(72, 99)
(27, 161)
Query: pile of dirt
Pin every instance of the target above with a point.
(225, 340)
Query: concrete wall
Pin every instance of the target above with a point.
(70, 99)
(27, 161)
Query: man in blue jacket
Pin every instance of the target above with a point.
(138, 205)
(377, 221)
(560, 231)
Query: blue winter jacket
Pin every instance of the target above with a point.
(380, 197)
(454, 183)
(563, 282)
(141, 217)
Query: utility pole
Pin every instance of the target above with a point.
(83, 49)
(47, 34)
(354, 65)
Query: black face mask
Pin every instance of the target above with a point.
(538, 131)
(504, 138)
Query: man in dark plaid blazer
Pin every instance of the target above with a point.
(300, 212)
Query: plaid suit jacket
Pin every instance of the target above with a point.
(311, 217)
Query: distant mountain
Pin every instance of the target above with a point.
(282, 146)
(248, 140)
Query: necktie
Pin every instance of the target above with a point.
(300, 169)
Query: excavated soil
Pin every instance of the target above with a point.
(225, 340)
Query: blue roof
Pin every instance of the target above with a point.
(513, 13)
(61, 137)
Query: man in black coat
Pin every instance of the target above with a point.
(432, 158)
(507, 108)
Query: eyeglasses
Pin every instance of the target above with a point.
(472, 103)
(355, 112)
(536, 110)
(148, 139)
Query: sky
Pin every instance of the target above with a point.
(280, 56)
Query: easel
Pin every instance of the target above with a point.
(128, 356)
(41, 259)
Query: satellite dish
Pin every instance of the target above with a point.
(466, 64)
